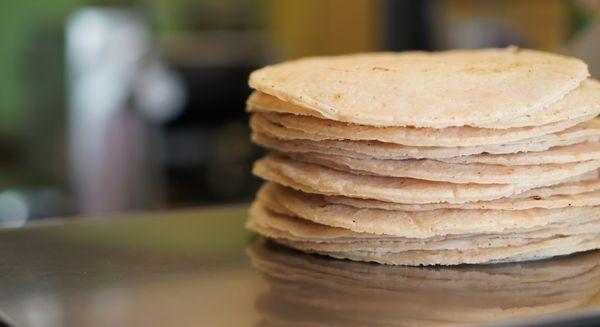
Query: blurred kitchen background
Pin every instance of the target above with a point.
(110, 106)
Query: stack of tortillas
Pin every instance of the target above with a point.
(429, 158)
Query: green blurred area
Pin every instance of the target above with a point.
(32, 84)
(20, 21)
(33, 95)
(32, 49)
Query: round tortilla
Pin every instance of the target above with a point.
(438, 89)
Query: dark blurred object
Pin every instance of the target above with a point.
(409, 26)
(208, 155)
(478, 24)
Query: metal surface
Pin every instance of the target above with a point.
(201, 268)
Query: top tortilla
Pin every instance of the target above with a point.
(421, 89)
(583, 101)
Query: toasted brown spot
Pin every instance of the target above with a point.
(493, 70)
(381, 69)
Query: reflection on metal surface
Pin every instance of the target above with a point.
(307, 289)
(14, 210)
(4, 321)
(174, 268)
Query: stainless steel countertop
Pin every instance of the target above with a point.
(201, 267)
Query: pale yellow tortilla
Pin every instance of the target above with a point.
(413, 224)
(321, 129)
(439, 89)
(427, 169)
(583, 101)
(321, 180)
(536, 251)
(326, 238)
(282, 139)
(551, 202)
(563, 154)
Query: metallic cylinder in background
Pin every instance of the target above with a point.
(118, 91)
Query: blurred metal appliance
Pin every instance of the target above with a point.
(119, 90)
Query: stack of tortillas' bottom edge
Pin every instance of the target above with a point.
(419, 158)
(312, 290)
